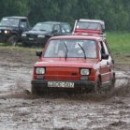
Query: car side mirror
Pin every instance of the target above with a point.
(38, 53)
(105, 56)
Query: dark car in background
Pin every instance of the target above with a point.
(42, 31)
(12, 27)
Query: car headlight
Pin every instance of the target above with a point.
(24, 35)
(41, 36)
(6, 31)
(40, 70)
(84, 72)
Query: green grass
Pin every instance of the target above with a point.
(119, 43)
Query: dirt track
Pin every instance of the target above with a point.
(19, 110)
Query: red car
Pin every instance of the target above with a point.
(73, 62)
(89, 27)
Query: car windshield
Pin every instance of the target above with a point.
(71, 48)
(43, 27)
(89, 25)
(9, 22)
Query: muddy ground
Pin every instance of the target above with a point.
(20, 110)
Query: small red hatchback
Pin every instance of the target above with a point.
(73, 62)
(90, 27)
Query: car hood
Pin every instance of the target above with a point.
(67, 62)
(37, 32)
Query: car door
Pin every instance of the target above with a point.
(105, 64)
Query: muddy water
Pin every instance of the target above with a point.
(19, 110)
(59, 114)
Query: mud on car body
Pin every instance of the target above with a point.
(85, 63)
(42, 31)
(12, 27)
(89, 27)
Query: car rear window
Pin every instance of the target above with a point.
(88, 25)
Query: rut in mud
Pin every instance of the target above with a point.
(21, 110)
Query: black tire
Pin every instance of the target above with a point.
(35, 90)
(112, 83)
(97, 87)
(13, 40)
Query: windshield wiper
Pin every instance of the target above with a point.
(66, 50)
(82, 50)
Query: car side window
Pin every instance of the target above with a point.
(23, 24)
(57, 28)
(65, 28)
(104, 49)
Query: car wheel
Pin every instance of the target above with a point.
(112, 83)
(97, 87)
(34, 90)
(13, 40)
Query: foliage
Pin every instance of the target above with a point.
(115, 13)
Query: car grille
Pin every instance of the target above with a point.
(31, 35)
(62, 73)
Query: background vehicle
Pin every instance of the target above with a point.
(42, 31)
(89, 27)
(85, 63)
(12, 27)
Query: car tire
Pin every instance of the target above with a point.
(112, 82)
(13, 40)
(34, 90)
(97, 87)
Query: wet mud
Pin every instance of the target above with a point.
(20, 110)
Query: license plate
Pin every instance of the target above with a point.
(61, 84)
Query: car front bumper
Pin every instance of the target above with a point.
(80, 84)
(4, 37)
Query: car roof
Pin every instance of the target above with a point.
(98, 38)
(92, 20)
(16, 17)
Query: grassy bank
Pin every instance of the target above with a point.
(119, 44)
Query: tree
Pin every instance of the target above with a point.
(115, 13)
